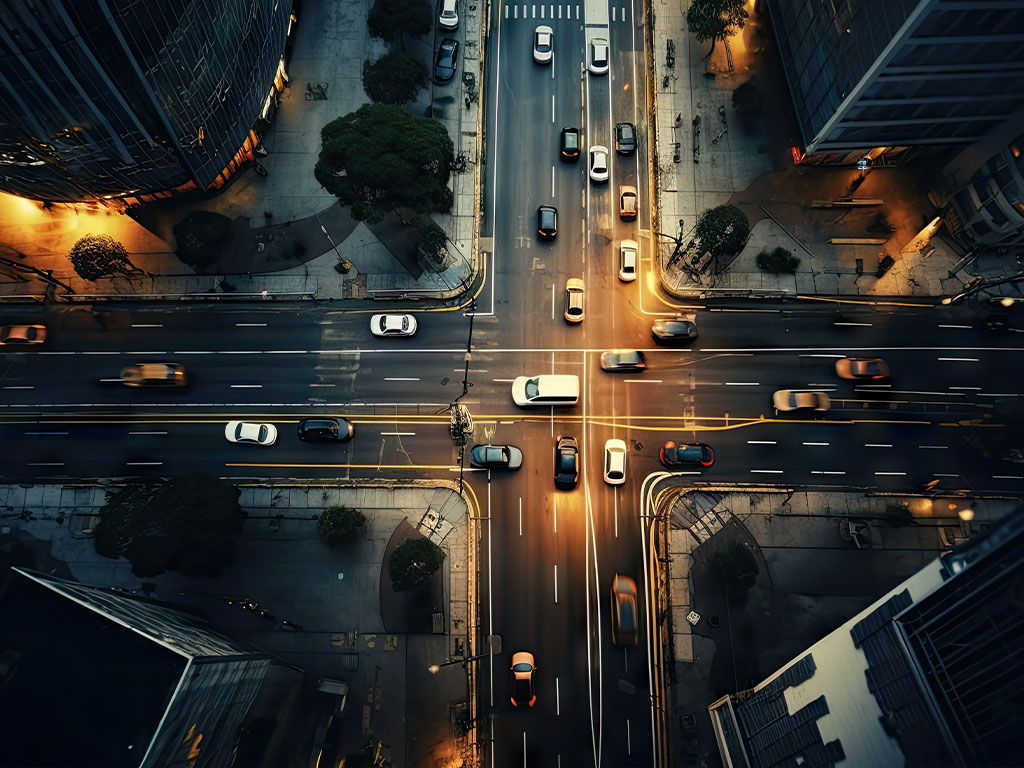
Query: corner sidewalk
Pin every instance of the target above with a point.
(280, 245)
(724, 157)
(335, 595)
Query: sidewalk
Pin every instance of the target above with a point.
(771, 572)
(334, 594)
(279, 246)
(724, 157)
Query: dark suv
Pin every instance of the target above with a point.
(325, 430)
(547, 222)
(567, 454)
(625, 138)
(570, 144)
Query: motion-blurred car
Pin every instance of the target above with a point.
(496, 457)
(154, 375)
(597, 56)
(22, 334)
(625, 138)
(624, 618)
(674, 455)
(791, 400)
(447, 61)
(674, 331)
(523, 668)
(567, 452)
(248, 432)
(570, 144)
(324, 429)
(628, 251)
(615, 461)
(547, 222)
(392, 325)
(574, 300)
(623, 360)
(599, 163)
(627, 203)
(861, 368)
(543, 44)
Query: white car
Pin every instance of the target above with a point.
(615, 461)
(392, 325)
(597, 55)
(628, 251)
(248, 432)
(448, 16)
(599, 163)
(543, 44)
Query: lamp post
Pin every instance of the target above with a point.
(435, 668)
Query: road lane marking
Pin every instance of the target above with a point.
(558, 700)
(951, 325)
(742, 384)
(36, 434)
(556, 583)
(144, 463)
(767, 471)
(399, 434)
(147, 433)
(26, 387)
(642, 381)
(878, 445)
(826, 472)
(840, 357)
(147, 325)
(976, 389)
(110, 353)
(250, 325)
(941, 447)
(521, 517)
(815, 443)
(958, 359)
(1008, 477)
(862, 325)
(891, 474)
(45, 464)
(400, 378)
(503, 381)
(247, 386)
(761, 442)
(322, 385)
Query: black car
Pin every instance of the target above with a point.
(496, 457)
(447, 60)
(547, 222)
(567, 454)
(570, 144)
(325, 430)
(623, 360)
(674, 331)
(625, 138)
(674, 455)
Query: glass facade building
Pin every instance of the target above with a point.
(899, 73)
(131, 100)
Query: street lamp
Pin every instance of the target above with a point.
(435, 668)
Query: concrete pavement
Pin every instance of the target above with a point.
(336, 595)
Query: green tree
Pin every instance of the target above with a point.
(380, 158)
(96, 256)
(201, 237)
(715, 20)
(394, 79)
(413, 562)
(778, 260)
(339, 525)
(185, 523)
(722, 231)
(391, 20)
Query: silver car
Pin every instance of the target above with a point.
(392, 325)
(599, 163)
(543, 44)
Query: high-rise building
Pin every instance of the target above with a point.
(132, 101)
(932, 674)
(882, 77)
(91, 677)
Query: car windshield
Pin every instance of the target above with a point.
(522, 666)
(571, 140)
(566, 462)
(869, 367)
(238, 431)
(405, 322)
(263, 432)
(532, 388)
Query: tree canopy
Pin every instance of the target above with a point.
(201, 237)
(715, 20)
(380, 158)
(96, 256)
(413, 562)
(339, 525)
(391, 20)
(722, 231)
(394, 79)
(185, 523)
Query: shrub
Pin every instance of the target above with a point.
(339, 525)
(201, 237)
(413, 563)
(778, 260)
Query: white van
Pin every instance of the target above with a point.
(448, 17)
(547, 389)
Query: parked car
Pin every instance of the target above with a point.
(448, 16)
(567, 454)
(574, 300)
(625, 629)
(543, 44)
(623, 360)
(861, 368)
(674, 331)
(523, 667)
(447, 61)
(392, 324)
(792, 400)
(248, 432)
(22, 335)
(628, 252)
(625, 138)
(627, 202)
(597, 56)
(615, 461)
(599, 163)
(496, 457)
(674, 455)
(154, 375)
(570, 144)
(325, 429)
(547, 222)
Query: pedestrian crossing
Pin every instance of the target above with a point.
(552, 12)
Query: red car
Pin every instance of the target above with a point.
(675, 455)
